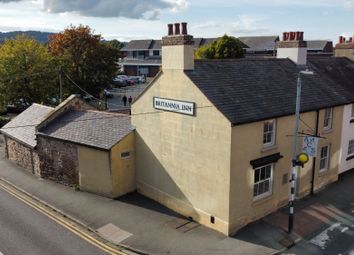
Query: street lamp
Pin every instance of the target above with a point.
(296, 160)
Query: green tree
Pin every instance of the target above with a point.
(27, 72)
(89, 62)
(225, 47)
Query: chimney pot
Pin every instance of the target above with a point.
(340, 39)
(170, 29)
(301, 36)
(285, 35)
(297, 36)
(184, 28)
(351, 39)
(177, 29)
(292, 36)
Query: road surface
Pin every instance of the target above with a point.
(23, 230)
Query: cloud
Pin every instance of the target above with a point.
(136, 9)
(243, 25)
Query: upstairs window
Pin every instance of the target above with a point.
(327, 123)
(156, 53)
(351, 148)
(324, 158)
(269, 133)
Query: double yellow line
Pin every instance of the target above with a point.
(73, 227)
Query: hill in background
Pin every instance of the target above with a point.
(39, 36)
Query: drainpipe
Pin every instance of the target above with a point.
(314, 159)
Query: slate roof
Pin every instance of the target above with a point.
(22, 128)
(260, 43)
(138, 45)
(92, 128)
(249, 90)
(151, 44)
(317, 44)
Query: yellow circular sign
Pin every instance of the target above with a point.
(303, 158)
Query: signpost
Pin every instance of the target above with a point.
(309, 145)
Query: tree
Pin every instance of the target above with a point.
(225, 47)
(27, 72)
(89, 62)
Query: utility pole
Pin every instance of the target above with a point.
(61, 84)
(295, 162)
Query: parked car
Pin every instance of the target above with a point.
(120, 81)
(88, 98)
(138, 79)
(108, 94)
(17, 107)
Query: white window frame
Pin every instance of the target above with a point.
(326, 158)
(350, 151)
(328, 119)
(273, 132)
(257, 183)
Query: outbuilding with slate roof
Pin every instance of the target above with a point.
(20, 137)
(214, 137)
(89, 149)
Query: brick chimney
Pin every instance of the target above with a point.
(345, 48)
(177, 48)
(293, 47)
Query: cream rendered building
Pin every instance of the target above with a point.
(213, 138)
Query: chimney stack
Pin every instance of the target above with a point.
(293, 47)
(177, 48)
(345, 48)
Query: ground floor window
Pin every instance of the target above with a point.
(324, 158)
(263, 181)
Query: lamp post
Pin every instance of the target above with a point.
(295, 154)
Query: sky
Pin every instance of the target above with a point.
(144, 19)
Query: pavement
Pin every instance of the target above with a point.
(147, 227)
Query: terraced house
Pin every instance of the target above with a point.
(223, 156)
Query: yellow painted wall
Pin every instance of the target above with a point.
(94, 171)
(123, 169)
(183, 161)
(247, 145)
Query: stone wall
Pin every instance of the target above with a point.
(19, 153)
(58, 160)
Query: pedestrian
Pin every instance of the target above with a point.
(130, 100)
(125, 100)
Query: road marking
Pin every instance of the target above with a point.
(70, 226)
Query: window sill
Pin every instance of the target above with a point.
(269, 147)
(322, 172)
(326, 131)
(261, 200)
(349, 157)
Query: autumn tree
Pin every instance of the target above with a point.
(89, 62)
(224, 48)
(27, 72)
